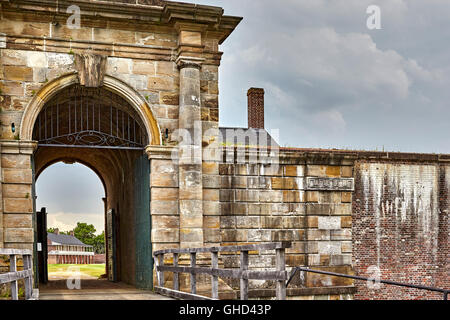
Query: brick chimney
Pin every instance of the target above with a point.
(255, 108)
(56, 231)
(72, 233)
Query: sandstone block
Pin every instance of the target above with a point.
(312, 196)
(346, 246)
(165, 222)
(165, 235)
(191, 215)
(211, 194)
(143, 67)
(329, 247)
(18, 73)
(347, 171)
(346, 197)
(212, 235)
(313, 222)
(17, 205)
(158, 207)
(210, 168)
(346, 222)
(164, 194)
(211, 222)
(245, 222)
(190, 38)
(341, 209)
(329, 223)
(211, 208)
(341, 259)
(341, 234)
(16, 190)
(227, 222)
(318, 235)
(36, 59)
(211, 182)
(294, 171)
(17, 221)
(271, 196)
(234, 235)
(258, 235)
(192, 235)
(18, 235)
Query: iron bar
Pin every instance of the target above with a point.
(83, 134)
(394, 283)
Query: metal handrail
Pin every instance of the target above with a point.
(394, 283)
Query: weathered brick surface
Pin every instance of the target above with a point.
(400, 225)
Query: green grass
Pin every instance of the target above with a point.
(94, 270)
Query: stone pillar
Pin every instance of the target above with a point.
(190, 132)
(16, 209)
(190, 160)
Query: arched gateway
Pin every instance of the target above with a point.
(112, 94)
(106, 128)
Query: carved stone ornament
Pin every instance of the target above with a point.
(330, 184)
(91, 69)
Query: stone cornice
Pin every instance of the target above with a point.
(162, 152)
(211, 18)
(18, 146)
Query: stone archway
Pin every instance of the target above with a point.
(110, 83)
(124, 171)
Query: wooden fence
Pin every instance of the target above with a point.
(280, 275)
(13, 275)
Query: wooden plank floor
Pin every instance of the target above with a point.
(95, 290)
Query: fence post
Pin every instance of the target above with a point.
(176, 283)
(13, 268)
(281, 266)
(28, 280)
(214, 279)
(160, 263)
(244, 278)
(193, 275)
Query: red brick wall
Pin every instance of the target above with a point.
(255, 108)
(400, 225)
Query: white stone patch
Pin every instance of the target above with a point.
(57, 60)
(329, 247)
(36, 59)
(138, 82)
(116, 65)
(329, 223)
(2, 40)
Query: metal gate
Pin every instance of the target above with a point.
(89, 117)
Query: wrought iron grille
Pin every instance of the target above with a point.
(89, 117)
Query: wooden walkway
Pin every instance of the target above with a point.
(95, 290)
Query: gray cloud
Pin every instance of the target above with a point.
(71, 194)
(331, 82)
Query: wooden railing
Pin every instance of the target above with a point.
(280, 275)
(13, 275)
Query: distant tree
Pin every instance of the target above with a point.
(86, 234)
(52, 230)
(99, 243)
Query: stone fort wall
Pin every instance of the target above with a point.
(345, 212)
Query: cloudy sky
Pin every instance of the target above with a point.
(330, 82)
(71, 194)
